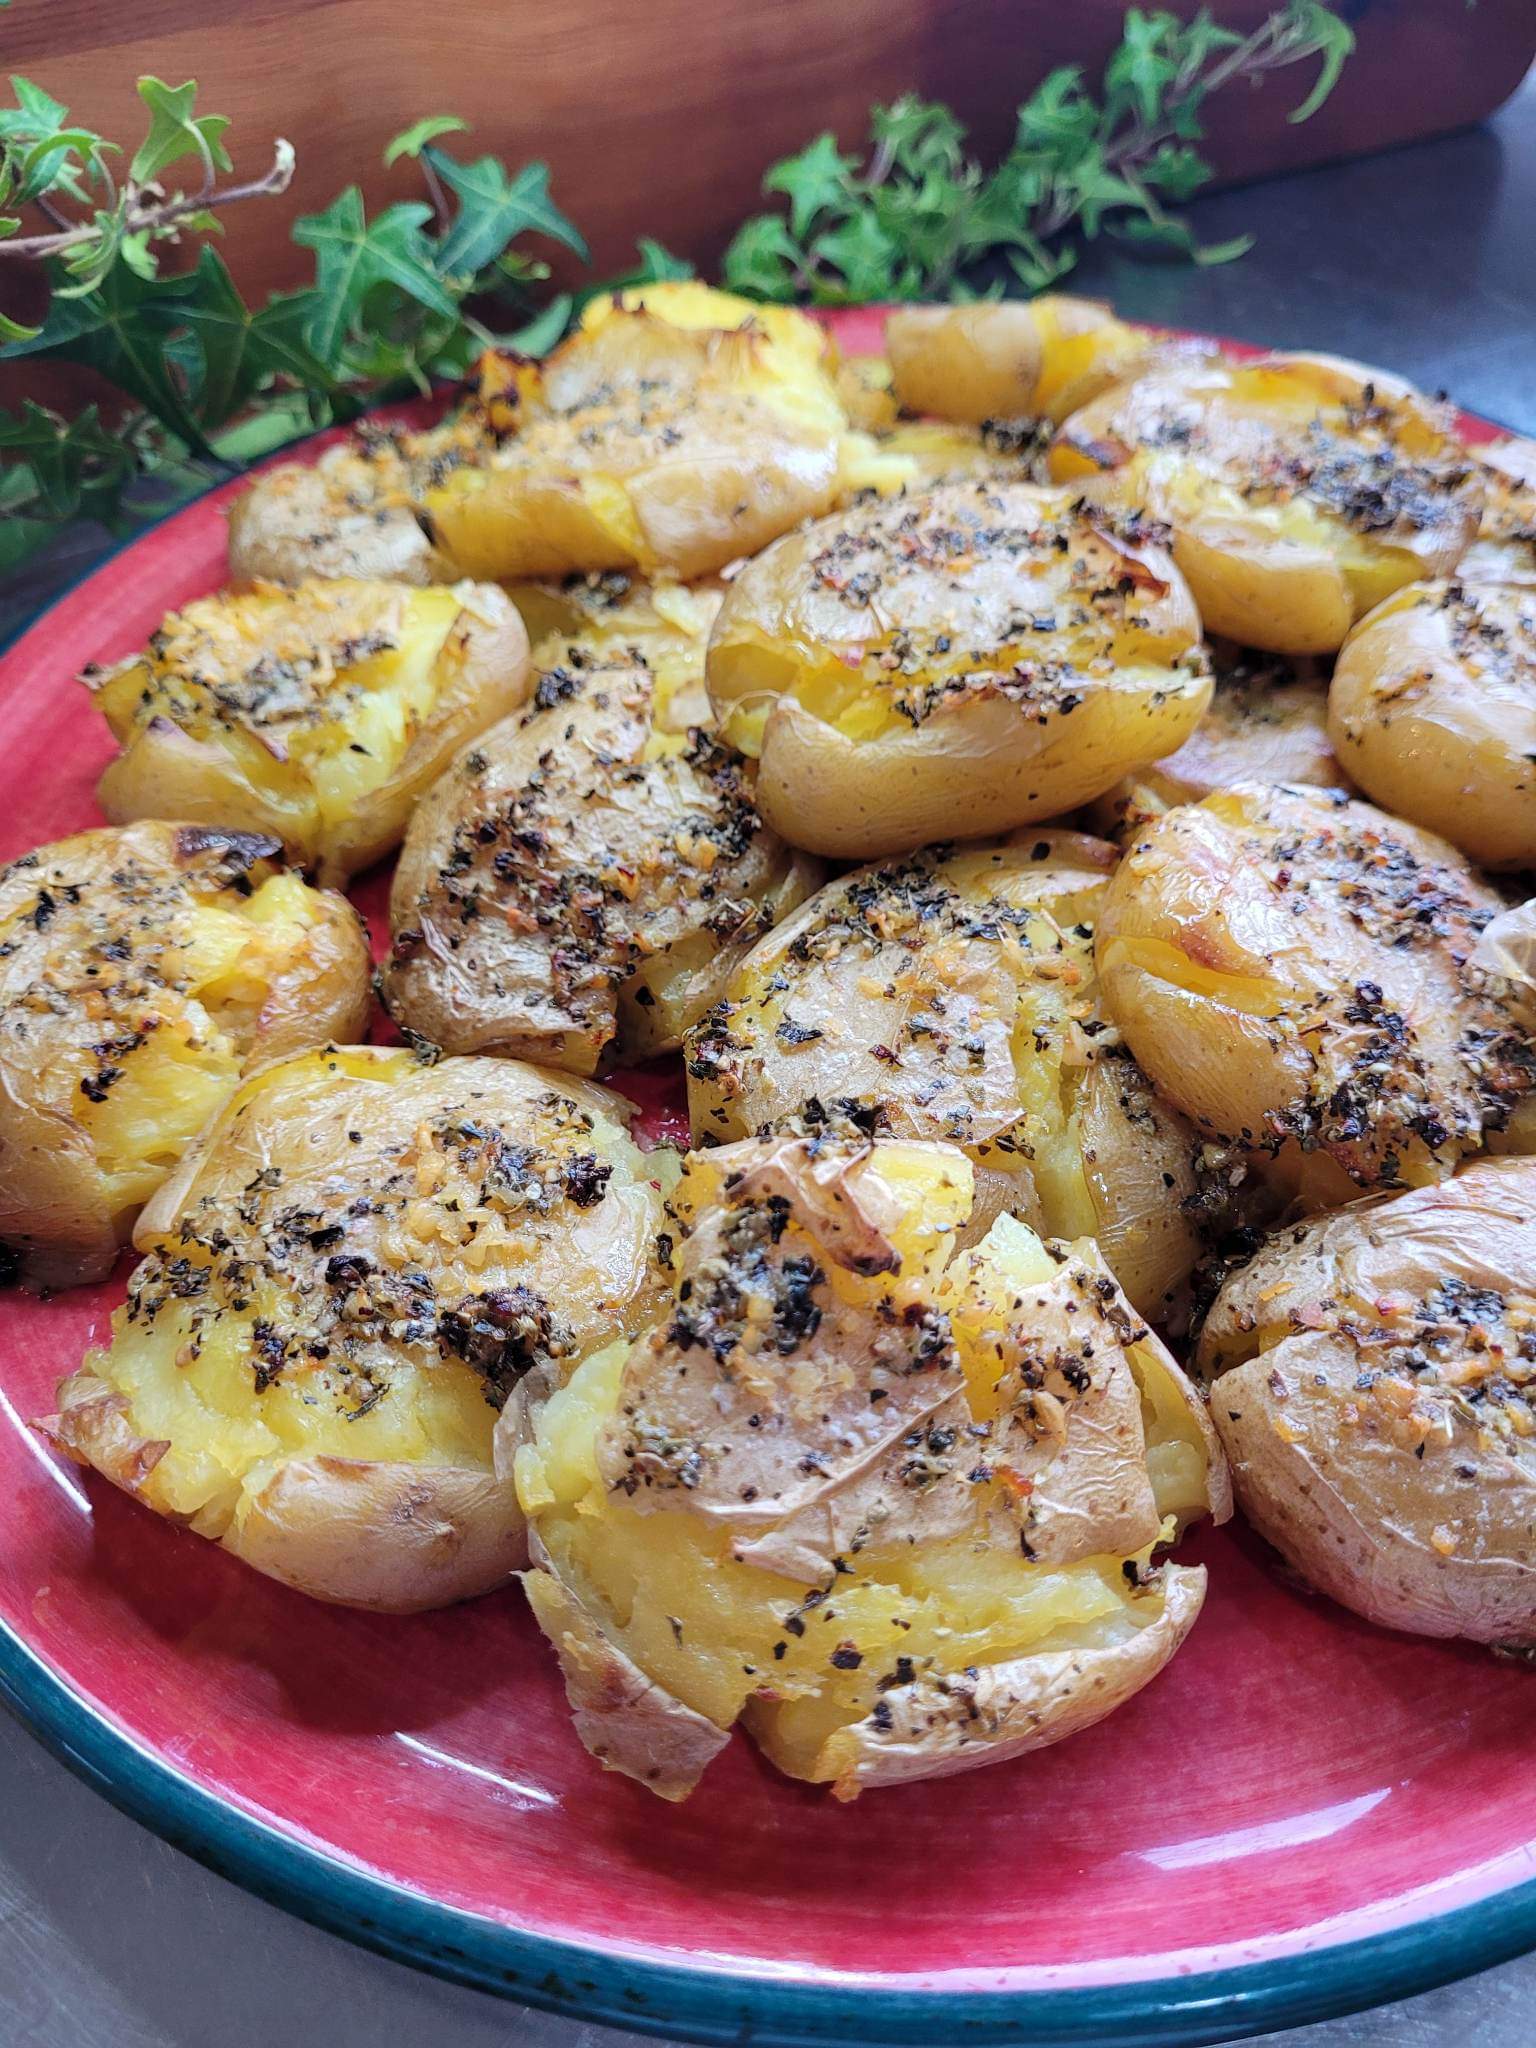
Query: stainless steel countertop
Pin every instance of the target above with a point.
(1423, 260)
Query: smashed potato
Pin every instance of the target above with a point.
(340, 1287)
(1300, 491)
(318, 713)
(894, 1511)
(1268, 722)
(616, 617)
(1291, 967)
(1505, 548)
(348, 515)
(1371, 1377)
(668, 436)
(962, 661)
(1012, 359)
(580, 884)
(952, 996)
(1433, 712)
(142, 971)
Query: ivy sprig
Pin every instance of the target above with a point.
(913, 215)
(400, 299)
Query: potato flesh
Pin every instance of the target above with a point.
(875, 618)
(1299, 493)
(326, 727)
(186, 1348)
(617, 617)
(933, 962)
(712, 1630)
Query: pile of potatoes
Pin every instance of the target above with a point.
(1059, 794)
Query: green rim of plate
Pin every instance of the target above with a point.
(615, 1988)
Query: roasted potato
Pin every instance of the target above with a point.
(951, 996)
(919, 455)
(670, 436)
(896, 1512)
(340, 1286)
(142, 971)
(1433, 712)
(1371, 1377)
(580, 884)
(1292, 969)
(618, 617)
(1012, 359)
(1268, 722)
(959, 662)
(1300, 490)
(1505, 548)
(347, 515)
(319, 713)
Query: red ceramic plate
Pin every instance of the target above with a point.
(1302, 1815)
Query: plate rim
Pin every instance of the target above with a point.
(638, 1993)
(644, 1993)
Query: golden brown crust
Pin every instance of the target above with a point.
(951, 996)
(343, 1280)
(232, 713)
(824, 1440)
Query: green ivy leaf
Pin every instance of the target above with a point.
(494, 209)
(816, 181)
(763, 260)
(353, 255)
(1058, 120)
(118, 329)
(1145, 64)
(237, 351)
(14, 330)
(541, 333)
(1176, 170)
(1320, 30)
(863, 253)
(920, 136)
(413, 140)
(175, 131)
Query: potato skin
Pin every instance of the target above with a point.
(347, 515)
(323, 1324)
(1301, 490)
(643, 444)
(1268, 723)
(899, 998)
(901, 675)
(1014, 359)
(774, 1435)
(1291, 968)
(577, 888)
(95, 978)
(1433, 711)
(176, 757)
(1369, 1380)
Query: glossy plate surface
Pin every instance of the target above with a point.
(1302, 1815)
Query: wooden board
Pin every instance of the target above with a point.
(659, 116)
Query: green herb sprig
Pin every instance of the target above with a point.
(399, 300)
(914, 216)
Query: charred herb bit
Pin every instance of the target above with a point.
(586, 1178)
(502, 1335)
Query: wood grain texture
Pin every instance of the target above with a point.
(659, 116)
